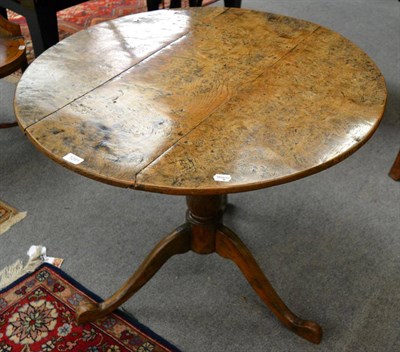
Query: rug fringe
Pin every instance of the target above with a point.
(14, 271)
(11, 221)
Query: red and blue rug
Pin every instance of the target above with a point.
(37, 313)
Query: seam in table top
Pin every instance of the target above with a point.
(206, 118)
(119, 74)
(238, 89)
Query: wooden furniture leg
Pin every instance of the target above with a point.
(233, 3)
(8, 124)
(195, 3)
(204, 233)
(153, 5)
(3, 12)
(229, 245)
(395, 170)
(42, 23)
(176, 242)
(175, 4)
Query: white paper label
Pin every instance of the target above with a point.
(72, 158)
(21, 47)
(222, 178)
(39, 252)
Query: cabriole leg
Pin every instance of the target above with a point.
(229, 245)
(177, 242)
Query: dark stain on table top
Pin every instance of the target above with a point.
(164, 101)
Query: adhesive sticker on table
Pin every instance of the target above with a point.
(222, 177)
(73, 159)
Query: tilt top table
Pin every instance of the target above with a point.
(201, 102)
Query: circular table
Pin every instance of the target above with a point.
(201, 103)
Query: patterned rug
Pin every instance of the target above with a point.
(89, 13)
(37, 314)
(8, 217)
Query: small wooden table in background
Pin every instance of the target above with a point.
(41, 17)
(12, 56)
(201, 103)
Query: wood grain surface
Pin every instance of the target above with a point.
(164, 101)
(12, 48)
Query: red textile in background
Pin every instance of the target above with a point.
(89, 13)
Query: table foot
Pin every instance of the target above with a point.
(229, 245)
(395, 170)
(88, 311)
(177, 242)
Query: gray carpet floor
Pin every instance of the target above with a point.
(330, 243)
